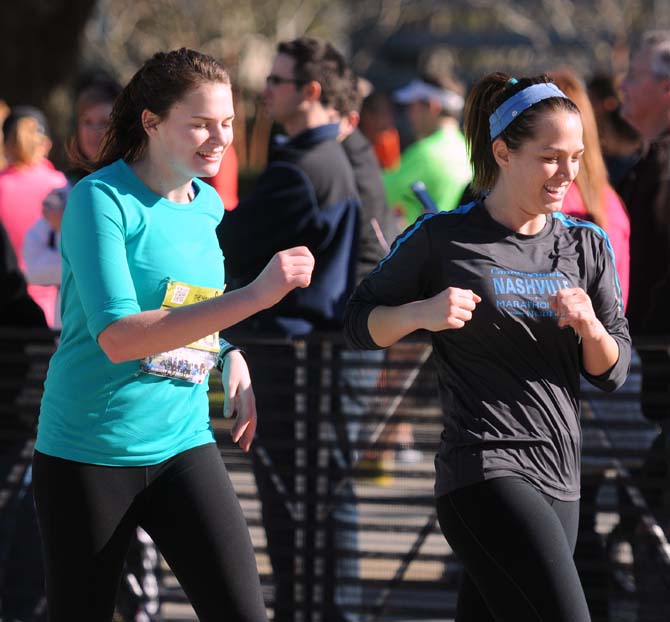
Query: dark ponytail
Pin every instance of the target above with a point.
(478, 109)
(161, 82)
(484, 98)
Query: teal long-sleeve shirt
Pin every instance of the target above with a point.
(121, 244)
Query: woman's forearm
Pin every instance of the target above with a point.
(151, 332)
(450, 309)
(160, 330)
(390, 324)
(599, 354)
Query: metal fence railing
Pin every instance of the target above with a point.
(343, 463)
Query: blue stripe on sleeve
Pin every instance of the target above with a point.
(463, 209)
(571, 222)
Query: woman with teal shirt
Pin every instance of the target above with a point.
(120, 442)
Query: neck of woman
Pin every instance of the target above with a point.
(507, 209)
(162, 183)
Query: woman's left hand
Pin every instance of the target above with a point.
(573, 308)
(239, 396)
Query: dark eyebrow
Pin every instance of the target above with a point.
(550, 148)
(204, 118)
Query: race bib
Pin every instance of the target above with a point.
(192, 362)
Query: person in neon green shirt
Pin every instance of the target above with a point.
(438, 158)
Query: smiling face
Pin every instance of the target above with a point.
(192, 138)
(542, 169)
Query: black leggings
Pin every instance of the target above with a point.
(87, 516)
(516, 546)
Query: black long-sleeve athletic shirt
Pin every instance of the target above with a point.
(509, 379)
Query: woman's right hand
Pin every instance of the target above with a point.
(451, 308)
(286, 270)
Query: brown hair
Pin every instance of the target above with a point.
(102, 90)
(484, 98)
(592, 177)
(26, 140)
(319, 61)
(160, 83)
(349, 99)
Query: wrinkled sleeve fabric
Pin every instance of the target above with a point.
(606, 296)
(403, 276)
(93, 242)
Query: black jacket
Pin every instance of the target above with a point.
(646, 192)
(375, 215)
(306, 196)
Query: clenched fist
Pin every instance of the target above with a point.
(573, 308)
(284, 272)
(451, 308)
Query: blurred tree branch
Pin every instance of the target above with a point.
(45, 44)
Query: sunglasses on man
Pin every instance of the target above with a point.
(273, 80)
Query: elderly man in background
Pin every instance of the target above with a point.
(646, 192)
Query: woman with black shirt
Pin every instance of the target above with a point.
(520, 300)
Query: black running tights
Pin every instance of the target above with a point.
(516, 546)
(88, 515)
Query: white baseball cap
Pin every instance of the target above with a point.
(418, 90)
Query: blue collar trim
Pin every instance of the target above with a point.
(515, 105)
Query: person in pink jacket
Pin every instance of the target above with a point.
(24, 184)
(591, 197)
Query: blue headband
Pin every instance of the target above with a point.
(515, 105)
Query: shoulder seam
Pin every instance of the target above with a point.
(570, 221)
(463, 209)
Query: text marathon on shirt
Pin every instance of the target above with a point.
(526, 293)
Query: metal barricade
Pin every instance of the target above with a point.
(349, 528)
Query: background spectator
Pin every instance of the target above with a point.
(646, 191)
(24, 184)
(438, 158)
(377, 124)
(306, 196)
(619, 140)
(377, 233)
(376, 225)
(646, 188)
(41, 245)
(92, 110)
(21, 574)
